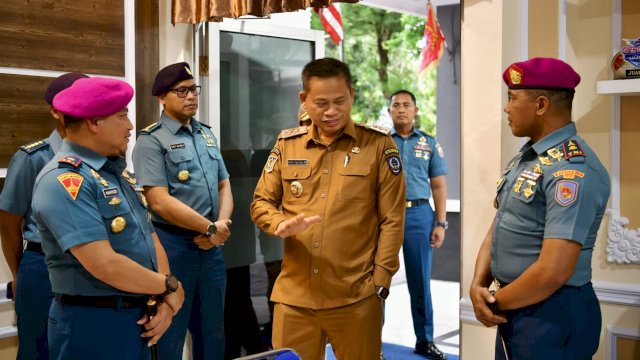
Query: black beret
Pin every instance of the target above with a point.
(60, 83)
(170, 75)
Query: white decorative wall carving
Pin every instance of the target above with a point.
(623, 245)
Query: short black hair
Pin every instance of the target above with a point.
(562, 99)
(325, 68)
(403, 91)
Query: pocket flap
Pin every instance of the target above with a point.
(110, 211)
(296, 172)
(355, 171)
(180, 155)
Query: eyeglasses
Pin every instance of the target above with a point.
(182, 91)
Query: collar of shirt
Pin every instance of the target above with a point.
(174, 125)
(413, 132)
(90, 157)
(313, 136)
(55, 140)
(552, 139)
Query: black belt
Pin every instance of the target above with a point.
(115, 302)
(418, 202)
(34, 246)
(175, 229)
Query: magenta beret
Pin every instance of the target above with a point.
(60, 83)
(541, 73)
(170, 75)
(93, 97)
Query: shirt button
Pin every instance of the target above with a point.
(315, 271)
(323, 195)
(316, 245)
(182, 158)
(326, 171)
(329, 148)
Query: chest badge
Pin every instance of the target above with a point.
(537, 169)
(115, 201)
(183, 175)
(143, 200)
(99, 177)
(555, 153)
(355, 150)
(545, 160)
(118, 224)
(127, 176)
(296, 189)
(529, 189)
(518, 185)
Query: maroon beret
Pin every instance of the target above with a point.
(541, 73)
(170, 75)
(60, 83)
(93, 97)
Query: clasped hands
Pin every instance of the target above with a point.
(205, 242)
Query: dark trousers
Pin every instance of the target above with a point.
(240, 321)
(33, 300)
(566, 326)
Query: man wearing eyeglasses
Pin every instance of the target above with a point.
(178, 162)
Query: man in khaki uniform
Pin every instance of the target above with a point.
(335, 192)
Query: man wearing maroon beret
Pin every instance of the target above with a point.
(30, 286)
(536, 256)
(102, 253)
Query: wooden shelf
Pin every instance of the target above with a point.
(626, 87)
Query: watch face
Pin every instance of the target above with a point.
(172, 283)
(211, 229)
(383, 293)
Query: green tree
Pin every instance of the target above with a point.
(383, 50)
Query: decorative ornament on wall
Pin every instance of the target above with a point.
(623, 245)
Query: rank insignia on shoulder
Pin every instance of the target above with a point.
(36, 145)
(395, 165)
(571, 148)
(71, 160)
(151, 128)
(377, 128)
(566, 192)
(287, 133)
(71, 182)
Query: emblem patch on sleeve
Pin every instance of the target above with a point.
(72, 183)
(395, 165)
(440, 151)
(271, 161)
(566, 192)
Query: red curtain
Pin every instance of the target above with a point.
(195, 11)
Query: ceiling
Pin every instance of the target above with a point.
(413, 7)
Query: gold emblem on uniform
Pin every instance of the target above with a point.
(183, 175)
(115, 201)
(518, 185)
(537, 169)
(296, 189)
(529, 190)
(143, 200)
(100, 179)
(545, 160)
(355, 150)
(148, 216)
(555, 153)
(127, 176)
(499, 182)
(118, 224)
(515, 76)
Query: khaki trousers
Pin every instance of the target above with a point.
(354, 330)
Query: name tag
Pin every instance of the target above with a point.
(110, 192)
(297, 162)
(177, 146)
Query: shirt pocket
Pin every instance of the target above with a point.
(296, 184)
(118, 219)
(179, 160)
(526, 212)
(355, 184)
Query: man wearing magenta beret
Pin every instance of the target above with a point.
(536, 256)
(30, 286)
(102, 253)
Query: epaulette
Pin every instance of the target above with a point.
(206, 125)
(381, 129)
(34, 146)
(572, 149)
(69, 160)
(287, 133)
(151, 128)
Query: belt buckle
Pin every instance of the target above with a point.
(496, 282)
(409, 204)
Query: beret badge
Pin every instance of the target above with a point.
(186, 68)
(515, 75)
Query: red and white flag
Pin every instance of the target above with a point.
(435, 42)
(331, 19)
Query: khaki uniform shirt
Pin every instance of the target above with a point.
(357, 186)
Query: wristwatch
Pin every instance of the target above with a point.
(171, 283)
(444, 224)
(211, 230)
(382, 292)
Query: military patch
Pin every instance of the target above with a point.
(568, 174)
(297, 162)
(391, 151)
(177, 146)
(571, 148)
(530, 175)
(440, 151)
(395, 165)
(287, 133)
(71, 182)
(566, 192)
(555, 153)
(71, 160)
(381, 129)
(151, 128)
(31, 147)
(545, 160)
(271, 162)
(515, 75)
(528, 191)
(275, 151)
(518, 185)
(110, 192)
(424, 147)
